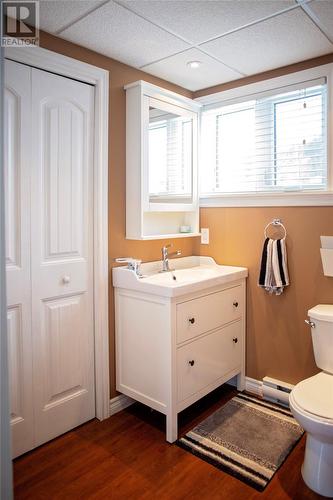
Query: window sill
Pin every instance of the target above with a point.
(318, 198)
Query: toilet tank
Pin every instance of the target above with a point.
(321, 318)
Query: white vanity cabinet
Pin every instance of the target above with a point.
(171, 351)
(161, 163)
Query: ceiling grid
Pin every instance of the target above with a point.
(231, 39)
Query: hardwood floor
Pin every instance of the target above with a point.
(126, 457)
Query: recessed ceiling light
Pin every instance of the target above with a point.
(194, 64)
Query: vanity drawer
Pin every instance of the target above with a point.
(207, 359)
(207, 313)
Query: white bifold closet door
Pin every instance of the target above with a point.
(17, 162)
(49, 232)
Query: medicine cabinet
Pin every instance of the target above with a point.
(161, 163)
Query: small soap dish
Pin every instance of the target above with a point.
(326, 253)
(185, 229)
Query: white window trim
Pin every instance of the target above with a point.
(313, 198)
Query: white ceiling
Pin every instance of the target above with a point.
(231, 38)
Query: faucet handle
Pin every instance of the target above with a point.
(164, 250)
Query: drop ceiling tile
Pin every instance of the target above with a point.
(115, 32)
(56, 14)
(323, 10)
(200, 20)
(282, 40)
(175, 69)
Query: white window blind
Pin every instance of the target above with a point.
(272, 143)
(170, 157)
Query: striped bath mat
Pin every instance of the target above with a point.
(249, 438)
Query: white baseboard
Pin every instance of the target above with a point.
(251, 385)
(119, 403)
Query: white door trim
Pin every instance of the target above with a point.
(78, 70)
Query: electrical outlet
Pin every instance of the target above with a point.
(204, 236)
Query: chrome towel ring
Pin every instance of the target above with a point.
(275, 222)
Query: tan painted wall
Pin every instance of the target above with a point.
(278, 342)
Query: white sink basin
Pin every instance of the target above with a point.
(190, 275)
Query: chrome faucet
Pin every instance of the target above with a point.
(165, 258)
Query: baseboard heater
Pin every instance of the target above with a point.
(276, 390)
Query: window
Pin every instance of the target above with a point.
(271, 143)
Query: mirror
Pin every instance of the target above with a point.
(170, 155)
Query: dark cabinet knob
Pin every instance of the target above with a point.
(191, 320)
(235, 340)
(191, 362)
(235, 304)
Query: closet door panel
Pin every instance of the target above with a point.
(63, 233)
(62, 331)
(62, 246)
(17, 158)
(64, 180)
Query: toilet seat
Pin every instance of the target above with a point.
(314, 396)
(307, 416)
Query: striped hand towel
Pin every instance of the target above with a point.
(273, 269)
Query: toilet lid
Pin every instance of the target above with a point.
(315, 395)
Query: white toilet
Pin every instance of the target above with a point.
(311, 402)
